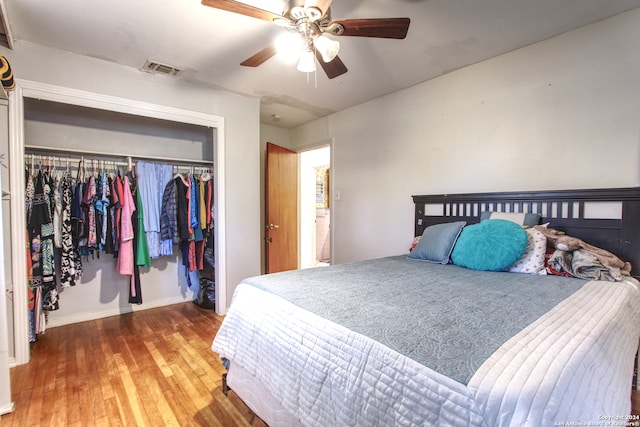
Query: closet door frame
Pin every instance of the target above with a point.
(42, 91)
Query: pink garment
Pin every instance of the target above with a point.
(125, 255)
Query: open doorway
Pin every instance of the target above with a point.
(315, 207)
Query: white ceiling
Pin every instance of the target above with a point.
(209, 44)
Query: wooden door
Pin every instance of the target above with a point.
(281, 195)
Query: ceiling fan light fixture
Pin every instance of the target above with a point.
(288, 46)
(307, 63)
(327, 47)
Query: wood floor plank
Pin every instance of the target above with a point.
(130, 390)
(161, 363)
(150, 367)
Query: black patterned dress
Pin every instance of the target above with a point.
(41, 232)
(70, 260)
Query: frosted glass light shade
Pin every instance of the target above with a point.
(288, 46)
(328, 48)
(307, 63)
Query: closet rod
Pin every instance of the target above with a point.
(33, 159)
(37, 159)
(99, 153)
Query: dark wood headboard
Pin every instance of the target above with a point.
(608, 218)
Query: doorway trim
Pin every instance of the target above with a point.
(43, 91)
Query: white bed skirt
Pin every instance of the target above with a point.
(257, 397)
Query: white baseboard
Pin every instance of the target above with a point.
(5, 409)
(129, 308)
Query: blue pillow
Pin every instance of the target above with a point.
(437, 242)
(491, 245)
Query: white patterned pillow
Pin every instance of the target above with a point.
(532, 262)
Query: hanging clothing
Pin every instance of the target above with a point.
(202, 211)
(70, 260)
(101, 204)
(109, 247)
(135, 218)
(135, 289)
(29, 193)
(142, 249)
(41, 237)
(57, 214)
(125, 254)
(207, 182)
(77, 215)
(89, 207)
(182, 203)
(195, 210)
(169, 217)
(193, 207)
(152, 179)
(117, 191)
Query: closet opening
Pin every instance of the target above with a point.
(67, 130)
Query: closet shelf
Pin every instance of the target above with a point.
(121, 155)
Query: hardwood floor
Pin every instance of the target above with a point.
(148, 368)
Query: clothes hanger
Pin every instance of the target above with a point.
(206, 175)
(178, 174)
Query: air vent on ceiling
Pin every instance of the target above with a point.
(158, 68)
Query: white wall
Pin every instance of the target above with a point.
(276, 135)
(37, 63)
(562, 113)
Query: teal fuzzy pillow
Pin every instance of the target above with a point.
(491, 245)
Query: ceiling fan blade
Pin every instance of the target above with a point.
(333, 68)
(387, 28)
(260, 57)
(242, 9)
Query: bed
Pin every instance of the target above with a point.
(404, 341)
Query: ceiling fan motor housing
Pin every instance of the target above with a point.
(307, 9)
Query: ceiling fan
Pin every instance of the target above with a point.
(311, 20)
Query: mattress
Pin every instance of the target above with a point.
(573, 364)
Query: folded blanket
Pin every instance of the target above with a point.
(559, 240)
(582, 264)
